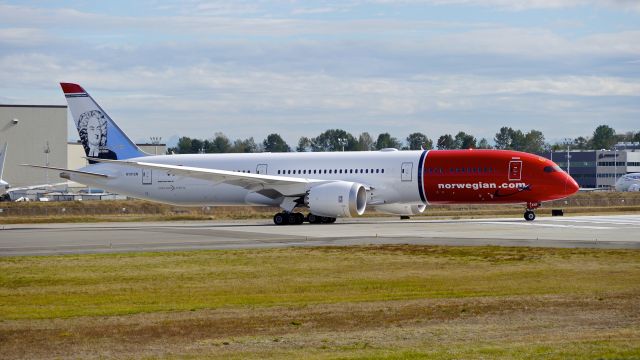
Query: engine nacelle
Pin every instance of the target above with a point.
(634, 187)
(337, 199)
(401, 209)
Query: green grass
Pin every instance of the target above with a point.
(116, 284)
(364, 302)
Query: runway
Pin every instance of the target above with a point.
(610, 232)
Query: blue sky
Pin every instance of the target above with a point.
(297, 68)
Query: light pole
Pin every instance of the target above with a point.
(46, 150)
(568, 141)
(155, 140)
(615, 164)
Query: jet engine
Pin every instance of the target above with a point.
(401, 209)
(634, 187)
(337, 199)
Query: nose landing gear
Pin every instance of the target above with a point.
(529, 215)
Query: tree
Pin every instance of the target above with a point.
(183, 146)
(418, 140)
(386, 141)
(518, 140)
(604, 137)
(244, 146)
(503, 138)
(334, 140)
(464, 141)
(304, 144)
(197, 146)
(445, 142)
(484, 144)
(636, 137)
(219, 144)
(534, 142)
(275, 143)
(365, 142)
(581, 143)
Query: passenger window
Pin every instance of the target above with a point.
(377, 171)
(383, 171)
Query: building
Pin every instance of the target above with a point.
(37, 134)
(598, 168)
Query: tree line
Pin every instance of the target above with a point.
(507, 138)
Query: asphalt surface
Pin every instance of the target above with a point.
(609, 232)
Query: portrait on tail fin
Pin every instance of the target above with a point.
(92, 128)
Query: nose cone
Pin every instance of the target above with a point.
(570, 186)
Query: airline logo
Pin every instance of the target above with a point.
(483, 185)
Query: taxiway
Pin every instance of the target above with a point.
(616, 231)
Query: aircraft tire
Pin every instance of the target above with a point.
(299, 218)
(279, 219)
(529, 215)
(313, 219)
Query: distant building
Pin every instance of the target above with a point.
(598, 168)
(38, 133)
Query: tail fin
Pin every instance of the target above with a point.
(99, 134)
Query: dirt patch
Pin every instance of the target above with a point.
(379, 324)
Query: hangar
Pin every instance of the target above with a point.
(38, 134)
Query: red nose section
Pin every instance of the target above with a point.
(571, 186)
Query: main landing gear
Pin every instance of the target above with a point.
(285, 218)
(529, 215)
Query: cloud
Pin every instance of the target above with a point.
(241, 70)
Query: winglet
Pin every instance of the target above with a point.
(70, 88)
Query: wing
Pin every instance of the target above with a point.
(285, 186)
(67, 170)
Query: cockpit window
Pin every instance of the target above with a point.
(550, 169)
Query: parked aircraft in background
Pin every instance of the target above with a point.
(8, 192)
(328, 184)
(629, 182)
(3, 184)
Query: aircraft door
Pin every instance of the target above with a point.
(261, 169)
(146, 176)
(406, 171)
(515, 170)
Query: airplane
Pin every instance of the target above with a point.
(4, 186)
(629, 182)
(8, 192)
(329, 185)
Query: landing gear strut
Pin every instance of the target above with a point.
(529, 215)
(286, 218)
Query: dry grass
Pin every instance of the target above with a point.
(394, 302)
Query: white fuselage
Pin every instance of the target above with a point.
(391, 175)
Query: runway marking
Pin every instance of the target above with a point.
(612, 222)
(546, 225)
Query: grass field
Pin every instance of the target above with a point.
(389, 302)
